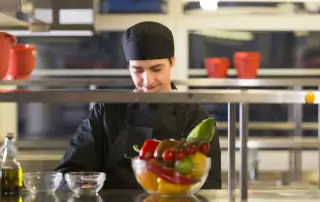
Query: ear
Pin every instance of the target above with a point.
(173, 59)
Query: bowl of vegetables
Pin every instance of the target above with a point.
(175, 167)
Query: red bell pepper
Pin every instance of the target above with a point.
(148, 148)
(169, 174)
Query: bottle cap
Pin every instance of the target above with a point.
(10, 135)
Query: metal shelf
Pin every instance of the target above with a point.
(233, 97)
(191, 96)
(191, 72)
(196, 82)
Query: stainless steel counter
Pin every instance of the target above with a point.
(140, 196)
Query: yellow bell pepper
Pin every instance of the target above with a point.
(166, 187)
(199, 161)
(148, 181)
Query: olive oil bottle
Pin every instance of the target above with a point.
(10, 169)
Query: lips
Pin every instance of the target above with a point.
(151, 87)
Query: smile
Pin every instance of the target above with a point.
(151, 87)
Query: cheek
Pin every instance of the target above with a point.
(164, 77)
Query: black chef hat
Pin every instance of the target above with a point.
(148, 41)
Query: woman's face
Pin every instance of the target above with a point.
(151, 75)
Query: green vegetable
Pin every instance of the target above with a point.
(204, 131)
(184, 166)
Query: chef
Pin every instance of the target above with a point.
(104, 141)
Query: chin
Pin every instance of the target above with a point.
(150, 90)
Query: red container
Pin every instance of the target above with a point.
(217, 67)
(6, 42)
(247, 64)
(22, 62)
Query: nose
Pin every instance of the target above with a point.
(147, 78)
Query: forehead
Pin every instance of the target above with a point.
(147, 63)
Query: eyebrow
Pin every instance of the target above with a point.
(152, 67)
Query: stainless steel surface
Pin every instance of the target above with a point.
(190, 96)
(257, 143)
(231, 150)
(319, 146)
(286, 72)
(140, 196)
(296, 158)
(196, 82)
(253, 164)
(243, 119)
(57, 82)
(277, 143)
(273, 125)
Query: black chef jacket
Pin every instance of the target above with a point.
(103, 140)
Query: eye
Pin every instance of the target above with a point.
(138, 71)
(156, 69)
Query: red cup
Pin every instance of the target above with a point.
(247, 64)
(22, 62)
(217, 67)
(6, 41)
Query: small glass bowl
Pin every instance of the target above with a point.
(42, 181)
(85, 183)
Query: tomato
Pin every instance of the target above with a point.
(179, 155)
(194, 149)
(168, 155)
(204, 148)
(191, 149)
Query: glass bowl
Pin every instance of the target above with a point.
(42, 181)
(85, 183)
(157, 177)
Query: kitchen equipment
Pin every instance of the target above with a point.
(22, 62)
(42, 181)
(247, 64)
(155, 179)
(6, 42)
(85, 183)
(216, 67)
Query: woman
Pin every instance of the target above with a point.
(104, 139)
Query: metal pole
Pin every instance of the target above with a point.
(297, 154)
(243, 127)
(91, 104)
(231, 151)
(319, 138)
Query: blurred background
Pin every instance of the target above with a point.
(79, 53)
(85, 41)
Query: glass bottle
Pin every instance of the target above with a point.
(11, 171)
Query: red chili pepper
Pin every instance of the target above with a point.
(148, 148)
(169, 174)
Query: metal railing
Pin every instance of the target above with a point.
(242, 96)
(287, 72)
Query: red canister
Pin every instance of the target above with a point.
(247, 64)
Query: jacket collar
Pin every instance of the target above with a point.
(174, 87)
